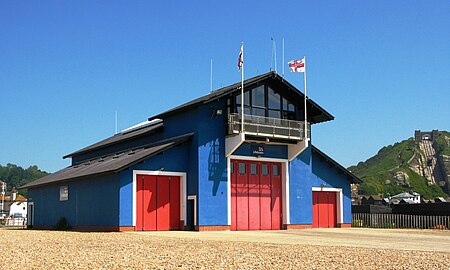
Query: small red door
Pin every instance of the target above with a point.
(149, 203)
(163, 204)
(324, 209)
(174, 203)
(146, 203)
(157, 203)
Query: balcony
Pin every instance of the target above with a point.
(267, 127)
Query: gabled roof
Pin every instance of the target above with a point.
(316, 113)
(118, 138)
(405, 195)
(354, 179)
(109, 164)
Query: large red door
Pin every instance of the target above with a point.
(324, 209)
(157, 203)
(255, 195)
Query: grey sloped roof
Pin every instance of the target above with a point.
(120, 137)
(109, 164)
(405, 195)
(316, 113)
(354, 179)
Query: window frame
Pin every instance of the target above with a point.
(249, 108)
(63, 193)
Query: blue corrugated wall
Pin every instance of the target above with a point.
(212, 166)
(92, 202)
(176, 159)
(306, 171)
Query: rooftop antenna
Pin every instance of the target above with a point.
(274, 54)
(210, 77)
(116, 122)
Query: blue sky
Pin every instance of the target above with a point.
(382, 68)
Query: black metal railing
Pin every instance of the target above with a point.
(399, 221)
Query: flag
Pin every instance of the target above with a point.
(297, 65)
(241, 57)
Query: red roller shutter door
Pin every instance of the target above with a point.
(324, 209)
(157, 203)
(255, 195)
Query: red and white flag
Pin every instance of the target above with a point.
(241, 57)
(297, 65)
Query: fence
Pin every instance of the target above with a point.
(10, 221)
(400, 221)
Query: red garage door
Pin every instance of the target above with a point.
(324, 209)
(255, 195)
(157, 203)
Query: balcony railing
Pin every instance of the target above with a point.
(267, 127)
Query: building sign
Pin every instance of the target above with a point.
(257, 149)
(63, 193)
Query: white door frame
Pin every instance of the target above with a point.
(183, 179)
(284, 183)
(339, 201)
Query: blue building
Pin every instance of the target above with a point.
(193, 167)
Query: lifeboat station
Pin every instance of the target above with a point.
(205, 165)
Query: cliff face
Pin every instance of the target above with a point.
(420, 164)
(442, 146)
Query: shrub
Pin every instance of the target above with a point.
(62, 225)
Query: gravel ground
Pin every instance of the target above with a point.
(28, 249)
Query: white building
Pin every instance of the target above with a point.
(414, 197)
(18, 209)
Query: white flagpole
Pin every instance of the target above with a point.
(210, 77)
(242, 89)
(304, 85)
(282, 57)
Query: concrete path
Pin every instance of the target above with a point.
(424, 240)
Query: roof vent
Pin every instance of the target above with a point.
(141, 125)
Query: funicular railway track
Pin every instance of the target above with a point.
(432, 169)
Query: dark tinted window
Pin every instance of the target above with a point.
(232, 167)
(274, 114)
(288, 106)
(241, 168)
(259, 112)
(246, 98)
(253, 169)
(258, 96)
(274, 100)
(275, 170)
(265, 169)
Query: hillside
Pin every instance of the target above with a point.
(16, 176)
(405, 166)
